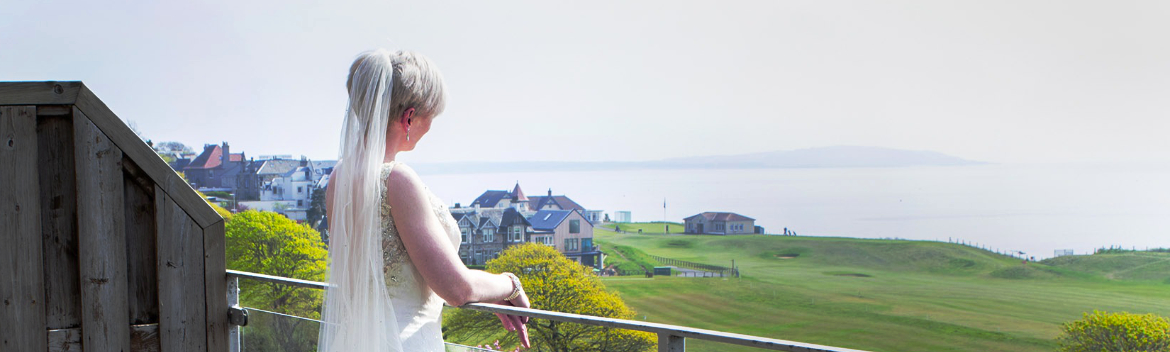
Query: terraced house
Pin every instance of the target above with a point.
(485, 232)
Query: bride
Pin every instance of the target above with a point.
(393, 244)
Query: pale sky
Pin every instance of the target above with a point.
(1002, 81)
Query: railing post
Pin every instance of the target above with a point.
(671, 343)
(233, 298)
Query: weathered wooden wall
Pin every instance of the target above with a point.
(104, 247)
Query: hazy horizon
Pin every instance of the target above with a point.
(1010, 82)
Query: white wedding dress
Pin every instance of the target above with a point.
(416, 307)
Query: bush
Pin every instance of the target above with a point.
(1116, 332)
(558, 284)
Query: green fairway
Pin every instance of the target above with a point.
(885, 295)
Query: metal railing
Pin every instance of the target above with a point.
(671, 338)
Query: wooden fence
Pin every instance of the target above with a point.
(105, 248)
(722, 270)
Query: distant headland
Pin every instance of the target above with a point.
(822, 157)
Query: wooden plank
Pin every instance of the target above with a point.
(215, 260)
(59, 222)
(143, 338)
(181, 291)
(54, 110)
(64, 340)
(101, 238)
(147, 159)
(39, 93)
(142, 262)
(22, 291)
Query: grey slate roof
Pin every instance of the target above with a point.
(547, 220)
(538, 202)
(489, 199)
(278, 167)
(322, 164)
(511, 217)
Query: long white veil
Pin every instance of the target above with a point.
(357, 315)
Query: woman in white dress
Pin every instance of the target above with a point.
(393, 245)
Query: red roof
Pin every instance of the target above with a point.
(209, 159)
(236, 157)
(518, 195)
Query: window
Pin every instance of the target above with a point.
(300, 189)
(517, 234)
(300, 203)
(570, 244)
(489, 235)
(545, 240)
(574, 226)
(463, 235)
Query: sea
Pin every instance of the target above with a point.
(1036, 209)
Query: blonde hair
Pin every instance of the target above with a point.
(416, 80)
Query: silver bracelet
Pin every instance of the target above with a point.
(515, 286)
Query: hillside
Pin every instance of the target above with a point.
(879, 295)
(1133, 266)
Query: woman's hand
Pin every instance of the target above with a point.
(516, 322)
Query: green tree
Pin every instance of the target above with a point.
(269, 243)
(552, 283)
(1116, 332)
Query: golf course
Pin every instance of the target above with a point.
(878, 295)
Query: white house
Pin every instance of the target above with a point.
(288, 185)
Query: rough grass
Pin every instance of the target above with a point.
(626, 258)
(1137, 266)
(880, 295)
(646, 227)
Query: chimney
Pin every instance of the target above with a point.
(550, 192)
(304, 161)
(456, 205)
(226, 156)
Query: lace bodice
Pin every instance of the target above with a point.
(417, 308)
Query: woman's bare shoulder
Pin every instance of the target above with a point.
(405, 183)
(402, 175)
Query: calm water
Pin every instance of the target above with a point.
(1032, 208)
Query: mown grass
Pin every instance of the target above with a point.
(880, 295)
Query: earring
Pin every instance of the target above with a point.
(408, 135)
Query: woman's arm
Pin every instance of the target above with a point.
(431, 250)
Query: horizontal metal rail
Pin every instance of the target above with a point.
(670, 337)
(277, 279)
